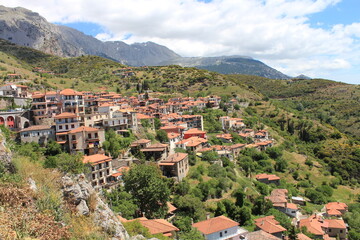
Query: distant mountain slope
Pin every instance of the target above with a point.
(230, 65)
(26, 28)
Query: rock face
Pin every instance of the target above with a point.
(5, 155)
(79, 192)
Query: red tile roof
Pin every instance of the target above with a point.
(84, 129)
(269, 225)
(36, 128)
(215, 224)
(65, 115)
(156, 226)
(96, 159)
(70, 92)
(174, 158)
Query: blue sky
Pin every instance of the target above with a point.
(318, 38)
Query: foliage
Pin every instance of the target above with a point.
(66, 163)
(115, 143)
(161, 136)
(122, 202)
(149, 189)
(210, 156)
(190, 206)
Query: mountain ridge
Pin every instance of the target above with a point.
(27, 28)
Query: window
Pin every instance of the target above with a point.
(329, 229)
(66, 127)
(101, 174)
(73, 137)
(72, 126)
(225, 232)
(341, 231)
(89, 135)
(221, 234)
(94, 176)
(60, 127)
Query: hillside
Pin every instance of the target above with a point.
(333, 103)
(312, 157)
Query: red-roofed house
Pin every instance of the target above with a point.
(219, 228)
(194, 132)
(72, 101)
(100, 168)
(270, 225)
(268, 178)
(87, 140)
(175, 166)
(335, 209)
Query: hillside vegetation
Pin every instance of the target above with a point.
(333, 103)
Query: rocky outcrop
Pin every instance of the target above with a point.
(79, 192)
(5, 155)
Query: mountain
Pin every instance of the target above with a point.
(230, 65)
(26, 28)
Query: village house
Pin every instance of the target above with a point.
(220, 228)
(175, 166)
(232, 123)
(264, 145)
(72, 101)
(141, 143)
(192, 144)
(86, 140)
(194, 132)
(236, 149)
(100, 168)
(40, 134)
(156, 226)
(335, 209)
(270, 225)
(324, 228)
(14, 90)
(157, 151)
(268, 178)
(225, 137)
(260, 235)
(65, 122)
(173, 139)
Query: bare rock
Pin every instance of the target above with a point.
(82, 208)
(32, 184)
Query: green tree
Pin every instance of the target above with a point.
(240, 197)
(52, 149)
(149, 189)
(162, 136)
(67, 163)
(210, 156)
(157, 123)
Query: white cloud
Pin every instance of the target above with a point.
(275, 31)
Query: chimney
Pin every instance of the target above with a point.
(207, 216)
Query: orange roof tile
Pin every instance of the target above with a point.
(194, 131)
(313, 225)
(84, 129)
(36, 128)
(215, 224)
(269, 225)
(335, 223)
(302, 236)
(260, 235)
(174, 158)
(156, 226)
(94, 159)
(70, 92)
(65, 115)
